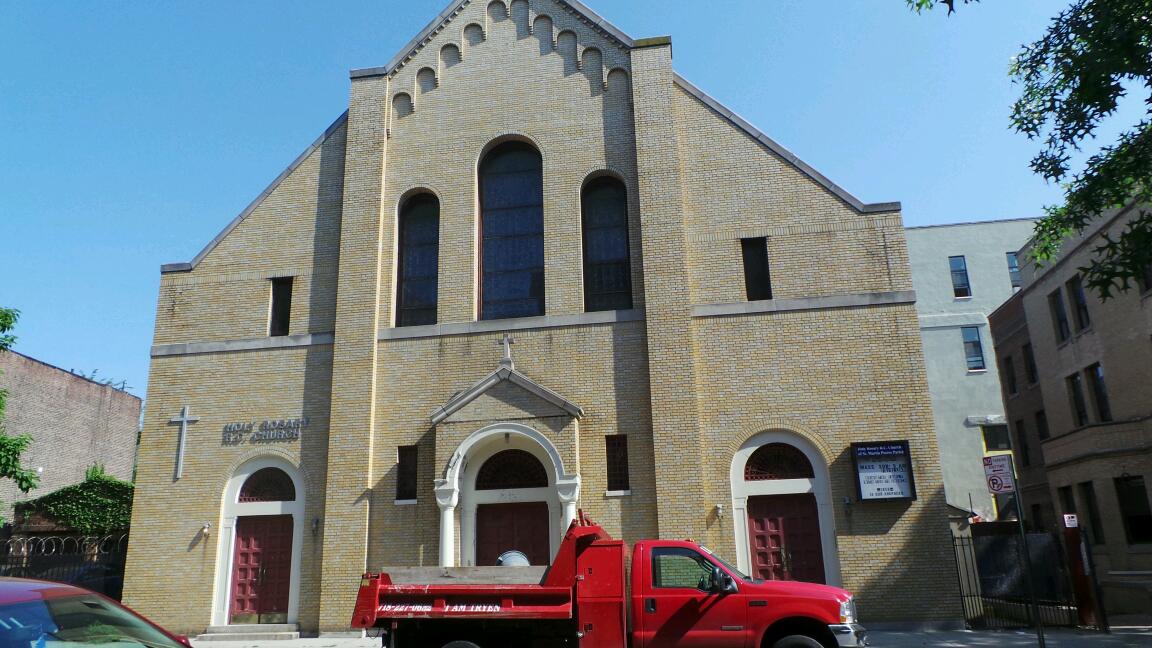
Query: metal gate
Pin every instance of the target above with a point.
(994, 585)
(91, 562)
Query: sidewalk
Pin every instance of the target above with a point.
(1120, 638)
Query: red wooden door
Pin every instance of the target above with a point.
(262, 569)
(784, 536)
(522, 526)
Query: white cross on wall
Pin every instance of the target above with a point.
(508, 341)
(184, 419)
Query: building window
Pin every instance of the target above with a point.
(1092, 512)
(1067, 501)
(406, 472)
(1037, 519)
(996, 437)
(1030, 364)
(1079, 302)
(973, 350)
(281, 312)
(1095, 375)
(1076, 398)
(268, 485)
(616, 456)
(1013, 269)
(1133, 499)
(509, 469)
(757, 280)
(1042, 425)
(419, 261)
(1059, 316)
(1009, 369)
(607, 261)
(959, 268)
(1022, 444)
(512, 232)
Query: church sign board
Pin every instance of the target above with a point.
(270, 431)
(883, 471)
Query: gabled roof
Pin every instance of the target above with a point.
(509, 374)
(438, 23)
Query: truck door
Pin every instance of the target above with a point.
(679, 610)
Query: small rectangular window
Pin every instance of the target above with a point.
(1079, 302)
(1014, 269)
(1076, 399)
(1099, 393)
(1009, 369)
(406, 481)
(973, 349)
(1042, 425)
(1030, 365)
(1037, 521)
(1092, 512)
(757, 280)
(281, 312)
(1067, 501)
(1022, 444)
(996, 437)
(959, 268)
(1059, 316)
(1133, 499)
(616, 456)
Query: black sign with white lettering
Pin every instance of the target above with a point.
(883, 471)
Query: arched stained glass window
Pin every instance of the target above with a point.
(511, 469)
(777, 461)
(268, 485)
(419, 261)
(607, 263)
(512, 232)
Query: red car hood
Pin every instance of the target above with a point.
(797, 588)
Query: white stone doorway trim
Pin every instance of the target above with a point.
(231, 509)
(458, 488)
(820, 486)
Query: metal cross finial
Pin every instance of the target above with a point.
(184, 419)
(508, 341)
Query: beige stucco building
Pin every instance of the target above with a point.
(701, 325)
(1081, 408)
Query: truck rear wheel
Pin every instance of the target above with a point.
(797, 641)
(464, 644)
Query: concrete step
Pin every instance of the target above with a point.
(252, 632)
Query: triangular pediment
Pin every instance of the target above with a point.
(454, 10)
(505, 394)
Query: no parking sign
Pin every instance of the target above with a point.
(999, 475)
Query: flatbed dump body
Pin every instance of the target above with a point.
(681, 597)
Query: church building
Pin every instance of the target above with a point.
(532, 270)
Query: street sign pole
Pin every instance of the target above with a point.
(1000, 473)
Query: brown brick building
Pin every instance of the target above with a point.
(74, 422)
(701, 327)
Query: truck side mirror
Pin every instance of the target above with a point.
(717, 580)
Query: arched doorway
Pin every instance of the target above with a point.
(501, 476)
(782, 510)
(258, 572)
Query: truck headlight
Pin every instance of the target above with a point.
(848, 611)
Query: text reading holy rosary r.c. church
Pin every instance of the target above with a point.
(269, 431)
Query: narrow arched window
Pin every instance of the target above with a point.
(607, 263)
(419, 260)
(512, 232)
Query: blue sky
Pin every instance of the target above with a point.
(131, 133)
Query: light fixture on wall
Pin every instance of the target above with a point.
(847, 506)
(719, 511)
(315, 527)
(205, 529)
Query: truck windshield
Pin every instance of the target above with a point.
(730, 568)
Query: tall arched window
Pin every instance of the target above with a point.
(419, 259)
(512, 232)
(607, 264)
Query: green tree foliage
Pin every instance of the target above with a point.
(1072, 79)
(98, 505)
(11, 447)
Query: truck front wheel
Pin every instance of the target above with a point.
(797, 641)
(469, 644)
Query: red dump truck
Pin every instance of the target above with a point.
(680, 596)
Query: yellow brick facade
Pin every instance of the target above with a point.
(686, 374)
